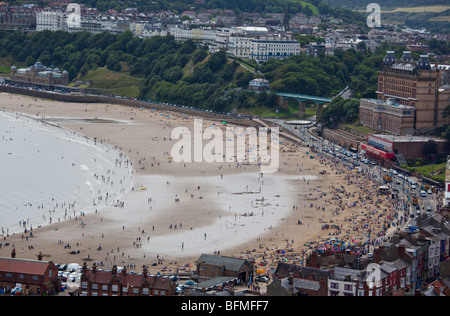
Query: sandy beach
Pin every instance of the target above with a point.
(177, 211)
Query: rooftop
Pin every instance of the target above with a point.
(389, 103)
(408, 139)
(15, 265)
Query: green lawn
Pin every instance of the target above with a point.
(5, 70)
(361, 129)
(428, 170)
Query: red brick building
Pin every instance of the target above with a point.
(411, 96)
(34, 277)
(95, 282)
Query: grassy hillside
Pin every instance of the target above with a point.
(111, 82)
(313, 8)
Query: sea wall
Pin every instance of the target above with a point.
(116, 100)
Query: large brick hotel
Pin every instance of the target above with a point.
(411, 96)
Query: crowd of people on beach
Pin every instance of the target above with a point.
(373, 215)
(351, 214)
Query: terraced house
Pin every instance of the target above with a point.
(96, 282)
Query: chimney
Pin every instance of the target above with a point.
(377, 257)
(313, 260)
(40, 256)
(291, 279)
(145, 271)
(322, 282)
(124, 271)
(13, 253)
(401, 251)
(94, 268)
(114, 270)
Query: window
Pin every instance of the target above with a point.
(334, 285)
(105, 287)
(115, 288)
(348, 287)
(145, 291)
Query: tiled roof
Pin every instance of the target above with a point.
(301, 284)
(128, 279)
(230, 264)
(285, 269)
(14, 265)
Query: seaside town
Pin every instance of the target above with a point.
(242, 35)
(352, 211)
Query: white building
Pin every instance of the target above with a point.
(259, 84)
(50, 20)
(344, 282)
(151, 31)
(274, 46)
(240, 46)
(200, 35)
(434, 255)
(263, 48)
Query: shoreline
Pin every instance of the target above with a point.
(145, 140)
(79, 168)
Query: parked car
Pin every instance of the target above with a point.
(262, 279)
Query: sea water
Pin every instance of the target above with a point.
(49, 174)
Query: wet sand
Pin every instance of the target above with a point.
(177, 211)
